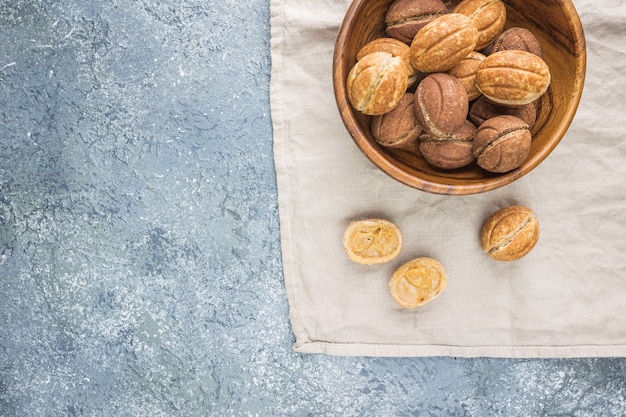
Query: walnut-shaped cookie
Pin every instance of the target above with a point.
(518, 39)
(395, 48)
(510, 233)
(405, 18)
(465, 71)
(513, 78)
(502, 144)
(399, 127)
(441, 104)
(449, 152)
(443, 43)
(377, 83)
(489, 17)
(482, 109)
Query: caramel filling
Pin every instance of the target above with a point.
(420, 283)
(373, 241)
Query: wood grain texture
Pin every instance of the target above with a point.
(557, 26)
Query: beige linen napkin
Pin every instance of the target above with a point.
(567, 298)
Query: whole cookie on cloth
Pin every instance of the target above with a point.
(443, 43)
(441, 104)
(513, 78)
(376, 83)
(405, 18)
(372, 241)
(399, 127)
(510, 233)
(502, 144)
(418, 282)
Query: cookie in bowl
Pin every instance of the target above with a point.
(377, 83)
(405, 18)
(502, 144)
(400, 127)
(513, 77)
(443, 43)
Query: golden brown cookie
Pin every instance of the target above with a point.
(372, 241)
(513, 78)
(417, 282)
(376, 83)
(465, 71)
(395, 48)
(510, 233)
(489, 17)
(443, 43)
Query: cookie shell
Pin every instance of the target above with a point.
(510, 233)
(443, 43)
(489, 17)
(405, 18)
(513, 78)
(418, 282)
(441, 104)
(465, 71)
(502, 144)
(483, 109)
(519, 39)
(399, 127)
(376, 83)
(449, 152)
(372, 241)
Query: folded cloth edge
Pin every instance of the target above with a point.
(509, 351)
(277, 29)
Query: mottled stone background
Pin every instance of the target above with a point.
(139, 237)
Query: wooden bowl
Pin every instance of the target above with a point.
(557, 26)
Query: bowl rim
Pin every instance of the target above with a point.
(383, 160)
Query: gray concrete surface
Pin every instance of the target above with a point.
(140, 264)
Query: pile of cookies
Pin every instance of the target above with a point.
(451, 79)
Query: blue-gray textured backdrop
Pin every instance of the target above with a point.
(140, 265)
